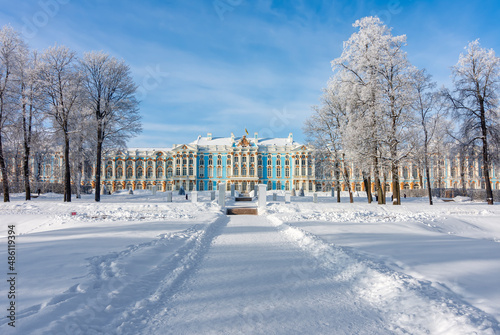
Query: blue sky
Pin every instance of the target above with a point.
(225, 65)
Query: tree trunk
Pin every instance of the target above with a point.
(67, 171)
(486, 162)
(27, 147)
(380, 191)
(426, 162)
(396, 191)
(98, 162)
(337, 181)
(367, 182)
(5, 180)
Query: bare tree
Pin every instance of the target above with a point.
(476, 78)
(11, 46)
(61, 82)
(110, 93)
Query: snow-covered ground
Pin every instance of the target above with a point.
(135, 264)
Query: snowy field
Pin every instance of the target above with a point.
(135, 264)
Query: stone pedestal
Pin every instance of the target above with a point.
(333, 192)
(232, 190)
(154, 190)
(315, 197)
(222, 195)
(275, 196)
(256, 190)
(262, 195)
(194, 196)
(169, 196)
(287, 198)
(212, 195)
(293, 192)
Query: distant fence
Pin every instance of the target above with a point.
(476, 195)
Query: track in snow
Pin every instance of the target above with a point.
(126, 286)
(264, 277)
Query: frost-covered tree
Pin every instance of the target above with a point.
(325, 129)
(429, 118)
(61, 81)
(110, 95)
(11, 48)
(30, 106)
(476, 79)
(378, 76)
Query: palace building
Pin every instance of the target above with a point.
(280, 163)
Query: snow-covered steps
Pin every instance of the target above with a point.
(242, 211)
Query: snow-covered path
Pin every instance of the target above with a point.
(254, 280)
(264, 277)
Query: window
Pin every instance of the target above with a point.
(219, 160)
(169, 172)
(278, 171)
(139, 172)
(219, 171)
(303, 170)
(201, 172)
(260, 171)
(244, 159)
(184, 161)
(130, 172)
(159, 172)
(260, 160)
(200, 186)
(184, 170)
(109, 172)
(235, 170)
(287, 171)
(252, 159)
(269, 160)
(228, 171)
(269, 185)
(309, 171)
(150, 163)
(178, 170)
(210, 160)
(287, 162)
(119, 172)
(269, 172)
(202, 160)
(243, 171)
(191, 170)
(297, 170)
(169, 162)
(150, 172)
(252, 171)
(236, 159)
(210, 172)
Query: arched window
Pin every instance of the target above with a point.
(287, 171)
(235, 170)
(219, 160)
(269, 172)
(278, 171)
(259, 161)
(191, 170)
(243, 171)
(159, 172)
(278, 185)
(109, 172)
(228, 171)
(119, 172)
(252, 171)
(269, 160)
(202, 160)
(244, 159)
(139, 172)
(210, 160)
(130, 172)
(150, 172)
(177, 170)
(201, 185)
(269, 185)
(184, 170)
(219, 171)
(169, 172)
(259, 171)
